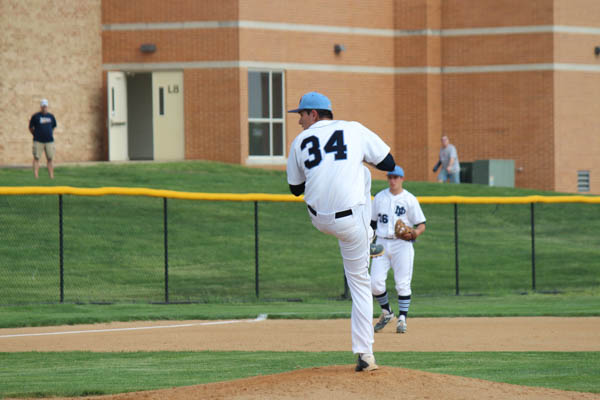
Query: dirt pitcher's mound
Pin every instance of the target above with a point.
(341, 382)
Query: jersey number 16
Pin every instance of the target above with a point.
(335, 144)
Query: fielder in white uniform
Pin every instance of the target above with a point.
(326, 164)
(389, 205)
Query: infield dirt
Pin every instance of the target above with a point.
(334, 382)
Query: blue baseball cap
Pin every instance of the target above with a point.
(398, 171)
(313, 101)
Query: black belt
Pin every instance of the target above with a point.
(339, 214)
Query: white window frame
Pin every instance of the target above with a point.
(270, 159)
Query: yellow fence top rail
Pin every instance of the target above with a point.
(172, 194)
(507, 200)
(126, 191)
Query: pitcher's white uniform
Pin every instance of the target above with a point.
(329, 157)
(399, 254)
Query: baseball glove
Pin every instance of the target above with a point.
(375, 249)
(403, 231)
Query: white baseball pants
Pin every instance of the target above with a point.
(354, 235)
(399, 255)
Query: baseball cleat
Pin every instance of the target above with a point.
(366, 362)
(401, 326)
(383, 320)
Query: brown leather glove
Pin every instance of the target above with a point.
(403, 231)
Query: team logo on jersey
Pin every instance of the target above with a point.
(400, 211)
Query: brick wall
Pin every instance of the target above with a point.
(51, 50)
(378, 14)
(503, 115)
(576, 106)
(212, 115)
(315, 48)
(497, 13)
(418, 101)
(487, 115)
(577, 133)
(136, 11)
(212, 101)
(498, 49)
(172, 45)
(417, 14)
(577, 12)
(418, 124)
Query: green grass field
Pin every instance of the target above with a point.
(85, 373)
(113, 245)
(114, 254)
(585, 304)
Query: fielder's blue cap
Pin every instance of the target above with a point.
(398, 171)
(313, 101)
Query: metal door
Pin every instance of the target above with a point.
(167, 104)
(117, 116)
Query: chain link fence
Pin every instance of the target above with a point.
(107, 249)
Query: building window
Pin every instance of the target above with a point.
(265, 114)
(583, 181)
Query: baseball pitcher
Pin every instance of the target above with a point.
(326, 164)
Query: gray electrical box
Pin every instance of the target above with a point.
(466, 172)
(494, 172)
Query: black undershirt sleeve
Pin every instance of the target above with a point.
(297, 190)
(374, 225)
(388, 163)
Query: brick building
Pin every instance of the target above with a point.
(51, 50)
(191, 79)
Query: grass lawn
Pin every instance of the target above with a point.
(114, 245)
(113, 254)
(568, 305)
(85, 373)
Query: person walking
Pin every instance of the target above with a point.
(450, 171)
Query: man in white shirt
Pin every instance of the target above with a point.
(390, 205)
(326, 164)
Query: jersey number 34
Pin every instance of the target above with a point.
(335, 145)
